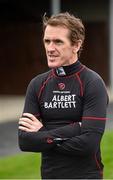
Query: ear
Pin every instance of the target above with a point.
(77, 46)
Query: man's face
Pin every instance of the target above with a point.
(59, 50)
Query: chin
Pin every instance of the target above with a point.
(53, 65)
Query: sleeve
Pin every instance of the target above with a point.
(31, 103)
(43, 139)
(93, 122)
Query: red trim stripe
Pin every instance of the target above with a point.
(81, 69)
(94, 118)
(43, 85)
(80, 81)
(98, 166)
(81, 85)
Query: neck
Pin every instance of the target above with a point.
(68, 70)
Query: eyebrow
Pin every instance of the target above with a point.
(54, 40)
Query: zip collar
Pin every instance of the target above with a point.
(68, 70)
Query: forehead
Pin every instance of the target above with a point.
(56, 32)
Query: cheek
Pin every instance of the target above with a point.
(67, 53)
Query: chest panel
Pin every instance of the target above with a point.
(61, 101)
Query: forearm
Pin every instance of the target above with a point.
(43, 139)
(80, 145)
(34, 141)
(87, 142)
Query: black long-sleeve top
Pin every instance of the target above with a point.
(62, 98)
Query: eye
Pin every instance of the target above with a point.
(58, 41)
(46, 41)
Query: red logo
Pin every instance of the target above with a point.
(61, 86)
(49, 140)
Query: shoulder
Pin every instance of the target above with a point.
(38, 80)
(94, 83)
(41, 77)
(91, 78)
(91, 75)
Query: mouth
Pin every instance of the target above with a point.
(52, 58)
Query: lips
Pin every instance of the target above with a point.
(52, 58)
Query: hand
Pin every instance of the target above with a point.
(29, 123)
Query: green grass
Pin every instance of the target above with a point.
(27, 165)
(107, 154)
(21, 166)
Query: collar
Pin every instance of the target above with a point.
(68, 70)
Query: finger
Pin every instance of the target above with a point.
(24, 129)
(31, 116)
(25, 124)
(26, 120)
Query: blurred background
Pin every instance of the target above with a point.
(22, 57)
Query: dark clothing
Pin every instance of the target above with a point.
(61, 98)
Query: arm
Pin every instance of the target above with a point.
(93, 122)
(43, 140)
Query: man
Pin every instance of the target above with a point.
(65, 108)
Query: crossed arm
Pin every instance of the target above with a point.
(33, 136)
(74, 139)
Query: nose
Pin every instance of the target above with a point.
(51, 46)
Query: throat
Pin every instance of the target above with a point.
(68, 70)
